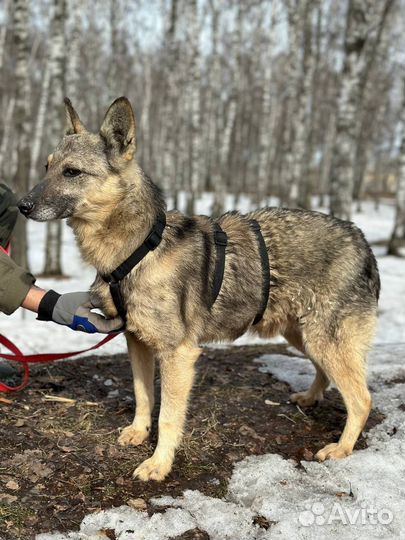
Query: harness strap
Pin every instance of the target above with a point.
(264, 259)
(150, 243)
(221, 241)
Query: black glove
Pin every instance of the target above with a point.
(74, 310)
(8, 214)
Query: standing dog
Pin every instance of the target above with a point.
(324, 281)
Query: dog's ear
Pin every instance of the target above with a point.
(73, 122)
(118, 129)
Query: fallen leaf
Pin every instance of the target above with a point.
(137, 504)
(109, 533)
(20, 423)
(281, 439)
(5, 401)
(12, 484)
(66, 449)
(307, 454)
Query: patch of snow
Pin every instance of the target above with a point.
(359, 498)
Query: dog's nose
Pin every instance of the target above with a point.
(25, 206)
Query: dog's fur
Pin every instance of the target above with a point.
(323, 296)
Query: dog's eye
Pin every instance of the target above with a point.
(70, 173)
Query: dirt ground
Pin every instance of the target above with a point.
(60, 460)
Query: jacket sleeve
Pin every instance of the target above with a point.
(15, 282)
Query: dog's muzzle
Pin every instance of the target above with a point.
(25, 206)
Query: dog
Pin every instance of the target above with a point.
(323, 296)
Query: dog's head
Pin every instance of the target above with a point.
(83, 163)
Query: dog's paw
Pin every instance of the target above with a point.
(153, 469)
(332, 451)
(305, 399)
(133, 436)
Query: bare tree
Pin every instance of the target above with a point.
(21, 121)
(169, 105)
(397, 239)
(40, 121)
(3, 33)
(53, 265)
(194, 91)
(358, 23)
(266, 126)
(299, 169)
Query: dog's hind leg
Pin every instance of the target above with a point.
(177, 374)
(344, 361)
(143, 368)
(315, 392)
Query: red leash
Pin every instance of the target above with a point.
(26, 359)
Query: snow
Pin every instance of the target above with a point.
(360, 497)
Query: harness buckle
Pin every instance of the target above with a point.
(220, 238)
(153, 239)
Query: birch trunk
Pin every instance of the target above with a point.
(40, 123)
(378, 47)
(294, 16)
(359, 17)
(327, 155)
(397, 239)
(299, 170)
(195, 81)
(72, 79)
(213, 101)
(230, 126)
(3, 33)
(266, 123)
(171, 96)
(53, 266)
(21, 122)
(8, 121)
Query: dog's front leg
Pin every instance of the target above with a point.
(177, 374)
(143, 368)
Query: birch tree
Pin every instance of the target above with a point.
(40, 122)
(194, 91)
(299, 170)
(266, 125)
(358, 23)
(169, 105)
(3, 32)
(397, 239)
(229, 122)
(21, 122)
(53, 265)
(294, 17)
(73, 76)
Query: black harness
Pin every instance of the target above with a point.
(150, 243)
(264, 260)
(221, 241)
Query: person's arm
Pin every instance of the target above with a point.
(33, 299)
(71, 309)
(15, 284)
